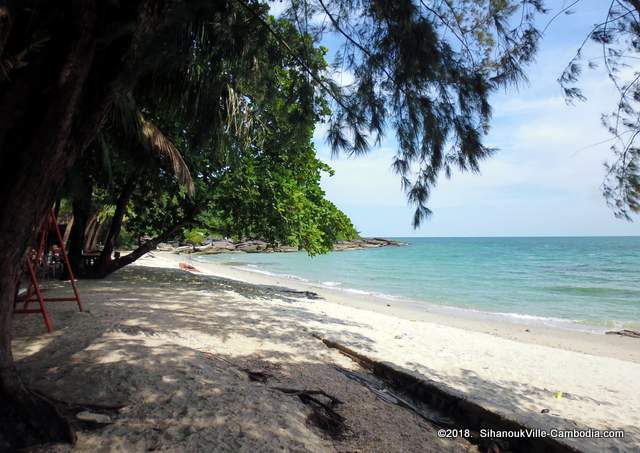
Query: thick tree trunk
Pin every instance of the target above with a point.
(51, 107)
(5, 28)
(27, 418)
(36, 151)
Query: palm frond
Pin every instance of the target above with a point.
(105, 156)
(161, 146)
(143, 140)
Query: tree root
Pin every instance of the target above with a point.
(28, 418)
(322, 414)
(82, 406)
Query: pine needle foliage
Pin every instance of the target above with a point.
(425, 70)
(618, 40)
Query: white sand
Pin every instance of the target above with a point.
(142, 343)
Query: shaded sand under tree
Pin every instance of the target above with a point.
(194, 362)
(173, 350)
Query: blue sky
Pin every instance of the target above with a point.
(545, 179)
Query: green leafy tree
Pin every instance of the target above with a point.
(260, 182)
(271, 190)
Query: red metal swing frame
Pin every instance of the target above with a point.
(33, 292)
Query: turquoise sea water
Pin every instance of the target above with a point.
(590, 282)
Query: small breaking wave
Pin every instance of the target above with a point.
(257, 270)
(331, 284)
(414, 300)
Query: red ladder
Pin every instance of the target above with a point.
(33, 292)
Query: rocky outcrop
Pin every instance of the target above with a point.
(218, 246)
(366, 243)
(286, 248)
(252, 246)
(257, 246)
(164, 247)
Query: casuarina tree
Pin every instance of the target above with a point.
(618, 40)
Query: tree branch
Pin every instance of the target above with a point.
(150, 245)
(300, 60)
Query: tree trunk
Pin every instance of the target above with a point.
(116, 222)
(81, 205)
(51, 107)
(148, 246)
(5, 28)
(27, 418)
(67, 231)
(90, 232)
(35, 146)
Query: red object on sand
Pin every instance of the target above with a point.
(188, 267)
(33, 292)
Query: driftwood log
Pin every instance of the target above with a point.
(625, 333)
(455, 409)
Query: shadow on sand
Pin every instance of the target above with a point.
(172, 346)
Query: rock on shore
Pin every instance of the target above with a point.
(256, 246)
(366, 243)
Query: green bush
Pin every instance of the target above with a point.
(195, 236)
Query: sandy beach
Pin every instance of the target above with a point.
(198, 361)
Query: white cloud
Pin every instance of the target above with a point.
(364, 181)
(518, 105)
(343, 77)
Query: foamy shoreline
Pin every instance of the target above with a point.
(571, 337)
(418, 306)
